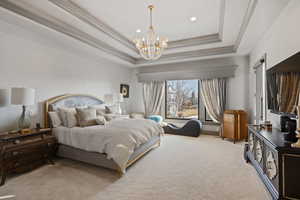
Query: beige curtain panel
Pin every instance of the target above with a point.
(213, 93)
(288, 91)
(153, 94)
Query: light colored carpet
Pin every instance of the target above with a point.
(182, 168)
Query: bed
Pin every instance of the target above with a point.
(116, 145)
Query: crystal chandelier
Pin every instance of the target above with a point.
(151, 46)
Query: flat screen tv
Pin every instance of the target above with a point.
(283, 86)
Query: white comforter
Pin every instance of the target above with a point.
(117, 139)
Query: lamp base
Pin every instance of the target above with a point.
(24, 121)
(119, 109)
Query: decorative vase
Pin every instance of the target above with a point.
(24, 121)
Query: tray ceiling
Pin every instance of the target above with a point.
(170, 18)
(110, 26)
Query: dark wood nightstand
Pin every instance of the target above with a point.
(24, 152)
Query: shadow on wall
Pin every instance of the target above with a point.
(9, 118)
(10, 114)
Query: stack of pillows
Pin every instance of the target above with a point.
(81, 116)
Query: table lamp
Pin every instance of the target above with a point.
(24, 97)
(109, 99)
(4, 97)
(120, 99)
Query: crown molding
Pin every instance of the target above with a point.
(53, 23)
(82, 14)
(74, 9)
(37, 16)
(190, 54)
(212, 51)
(249, 13)
(200, 73)
(195, 41)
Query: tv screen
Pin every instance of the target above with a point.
(283, 86)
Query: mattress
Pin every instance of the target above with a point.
(118, 139)
(94, 158)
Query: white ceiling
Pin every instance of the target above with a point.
(223, 27)
(170, 18)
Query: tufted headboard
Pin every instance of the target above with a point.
(69, 101)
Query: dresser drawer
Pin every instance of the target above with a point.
(14, 164)
(291, 176)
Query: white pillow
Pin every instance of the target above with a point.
(55, 119)
(100, 109)
(137, 115)
(101, 120)
(68, 117)
(85, 114)
(99, 106)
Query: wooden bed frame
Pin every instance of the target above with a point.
(94, 158)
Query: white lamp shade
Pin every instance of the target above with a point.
(109, 99)
(4, 97)
(22, 96)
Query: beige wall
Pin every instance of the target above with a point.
(280, 41)
(53, 64)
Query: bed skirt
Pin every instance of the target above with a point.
(100, 159)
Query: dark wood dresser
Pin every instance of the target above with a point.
(23, 152)
(276, 162)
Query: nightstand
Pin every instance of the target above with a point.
(23, 152)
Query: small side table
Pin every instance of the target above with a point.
(24, 152)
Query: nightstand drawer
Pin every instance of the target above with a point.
(20, 150)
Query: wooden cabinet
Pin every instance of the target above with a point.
(23, 152)
(275, 161)
(235, 125)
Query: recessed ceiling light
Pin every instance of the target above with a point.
(138, 30)
(193, 19)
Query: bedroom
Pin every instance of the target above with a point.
(59, 47)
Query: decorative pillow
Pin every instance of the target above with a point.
(100, 109)
(137, 115)
(109, 109)
(156, 118)
(86, 123)
(86, 116)
(109, 117)
(101, 120)
(55, 119)
(86, 113)
(68, 117)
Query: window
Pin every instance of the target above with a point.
(182, 99)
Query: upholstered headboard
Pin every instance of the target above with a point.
(69, 101)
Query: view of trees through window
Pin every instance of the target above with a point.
(182, 99)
